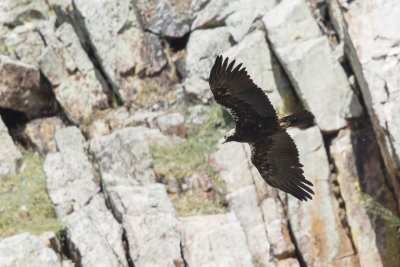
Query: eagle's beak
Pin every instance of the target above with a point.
(223, 141)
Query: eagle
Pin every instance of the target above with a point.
(273, 151)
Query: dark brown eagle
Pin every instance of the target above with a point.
(273, 151)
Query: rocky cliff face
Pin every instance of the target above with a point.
(115, 95)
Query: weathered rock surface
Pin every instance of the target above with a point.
(316, 225)
(21, 88)
(10, 156)
(171, 124)
(14, 14)
(214, 240)
(277, 229)
(120, 46)
(78, 86)
(70, 180)
(312, 68)
(373, 53)
(197, 90)
(149, 220)
(355, 153)
(24, 26)
(167, 22)
(94, 236)
(232, 161)
(145, 212)
(79, 203)
(70, 138)
(202, 48)
(240, 176)
(209, 13)
(41, 133)
(123, 158)
(23, 249)
(245, 206)
(242, 15)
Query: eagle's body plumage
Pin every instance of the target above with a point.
(273, 152)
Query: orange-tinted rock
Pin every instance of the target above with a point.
(358, 162)
(41, 133)
(316, 225)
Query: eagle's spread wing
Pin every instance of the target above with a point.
(236, 91)
(277, 160)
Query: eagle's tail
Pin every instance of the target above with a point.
(302, 118)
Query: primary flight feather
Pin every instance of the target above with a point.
(273, 152)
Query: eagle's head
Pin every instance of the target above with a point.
(230, 136)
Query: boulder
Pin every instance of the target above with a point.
(14, 14)
(208, 14)
(373, 54)
(265, 225)
(94, 237)
(308, 60)
(77, 84)
(277, 229)
(203, 47)
(214, 240)
(144, 209)
(76, 194)
(243, 202)
(123, 158)
(10, 156)
(70, 180)
(357, 159)
(25, 25)
(148, 217)
(41, 133)
(316, 225)
(23, 249)
(168, 22)
(232, 162)
(120, 46)
(290, 23)
(21, 88)
(243, 14)
(70, 138)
